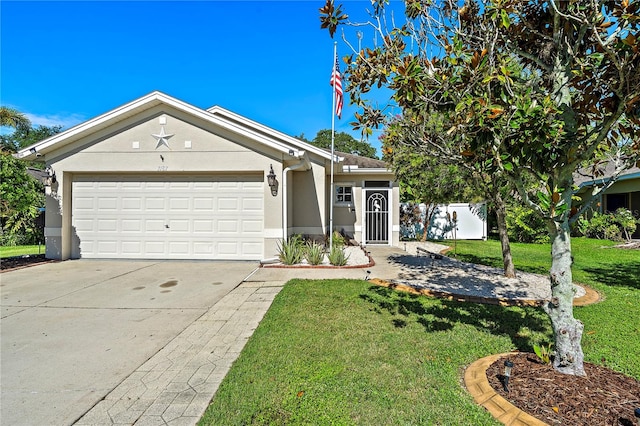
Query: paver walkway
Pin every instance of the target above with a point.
(175, 386)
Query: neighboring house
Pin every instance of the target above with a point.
(159, 178)
(625, 191)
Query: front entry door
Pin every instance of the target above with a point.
(376, 216)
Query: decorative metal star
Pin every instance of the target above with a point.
(162, 138)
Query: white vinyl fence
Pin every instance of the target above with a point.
(462, 221)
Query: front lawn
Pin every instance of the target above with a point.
(348, 352)
(12, 251)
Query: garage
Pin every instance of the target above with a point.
(165, 216)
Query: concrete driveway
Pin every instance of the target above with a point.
(71, 331)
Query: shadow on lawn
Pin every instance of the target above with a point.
(443, 315)
(497, 263)
(620, 275)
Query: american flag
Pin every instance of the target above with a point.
(336, 82)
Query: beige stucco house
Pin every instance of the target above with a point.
(159, 178)
(623, 193)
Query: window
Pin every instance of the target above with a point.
(344, 194)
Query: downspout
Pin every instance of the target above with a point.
(304, 162)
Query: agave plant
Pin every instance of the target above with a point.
(314, 253)
(291, 251)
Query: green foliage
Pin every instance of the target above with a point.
(21, 198)
(25, 136)
(291, 251)
(344, 142)
(526, 226)
(543, 352)
(338, 240)
(337, 256)
(11, 117)
(608, 226)
(314, 253)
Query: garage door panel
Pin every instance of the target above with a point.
(85, 203)
(252, 204)
(179, 226)
(84, 225)
(179, 247)
(214, 217)
(107, 247)
(107, 225)
(133, 248)
(178, 204)
(131, 225)
(203, 226)
(203, 204)
(155, 203)
(227, 204)
(132, 204)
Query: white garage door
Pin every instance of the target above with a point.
(168, 217)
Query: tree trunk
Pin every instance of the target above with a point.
(567, 330)
(501, 216)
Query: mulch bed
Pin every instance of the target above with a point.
(603, 397)
(22, 261)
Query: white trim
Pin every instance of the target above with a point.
(272, 233)
(239, 125)
(222, 112)
(52, 232)
(334, 194)
(358, 170)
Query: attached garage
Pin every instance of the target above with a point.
(158, 178)
(168, 216)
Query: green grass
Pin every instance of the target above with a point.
(346, 352)
(11, 251)
(612, 327)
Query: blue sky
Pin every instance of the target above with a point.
(66, 62)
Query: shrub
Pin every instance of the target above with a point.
(291, 251)
(526, 226)
(337, 256)
(608, 226)
(314, 253)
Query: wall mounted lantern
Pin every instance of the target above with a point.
(51, 176)
(272, 181)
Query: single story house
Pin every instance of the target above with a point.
(159, 178)
(623, 193)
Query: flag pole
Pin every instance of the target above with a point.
(333, 128)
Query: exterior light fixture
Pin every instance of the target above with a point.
(272, 181)
(508, 365)
(51, 176)
(637, 414)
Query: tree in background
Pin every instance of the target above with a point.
(10, 117)
(21, 196)
(343, 142)
(439, 161)
(530, 89)
(23, 136)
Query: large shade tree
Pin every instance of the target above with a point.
(21, 196)
(342, 142)
(531, 89)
